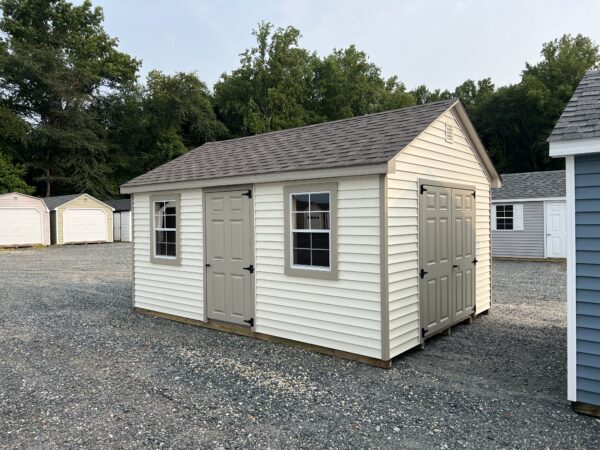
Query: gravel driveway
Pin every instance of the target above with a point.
(79, 368)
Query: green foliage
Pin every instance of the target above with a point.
(11, 177)
(56, 62)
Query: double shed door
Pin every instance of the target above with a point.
(447, 242)
(229, 256)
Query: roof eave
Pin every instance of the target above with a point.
(296, 175)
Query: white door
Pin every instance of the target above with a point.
(84, 225)
(20, 226)
(117, 226)
(556, 230)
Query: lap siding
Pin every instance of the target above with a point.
(587, 221)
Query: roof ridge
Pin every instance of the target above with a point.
(329, 122)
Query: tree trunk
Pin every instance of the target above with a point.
(48, 184)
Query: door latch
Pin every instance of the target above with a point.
(455, 266)
(423, 273)
(250, 268)
(250, 321)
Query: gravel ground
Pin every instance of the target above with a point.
(79, 369)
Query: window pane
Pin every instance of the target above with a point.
(302, 257)
(301, 221)
(160, 236)
(160, 249)
(320, 258)
(320, 241)
(319, 221)
(300, 202)
(170, 249)
(302, 240)
(170, 222)
(508, 224)
(171, 237)
(508, 209)
(319, 202)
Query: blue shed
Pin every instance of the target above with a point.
(576, 137)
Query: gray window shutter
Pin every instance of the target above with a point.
(518, 217)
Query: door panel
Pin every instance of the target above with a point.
(20, 226)
(447, 253)
(435, 259)
(84, 225)
(228, 251)
(556, 230)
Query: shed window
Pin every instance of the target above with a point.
(504, 217)
(164, 228)
(311, 229)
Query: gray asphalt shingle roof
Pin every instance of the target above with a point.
(581, 117)
(363, 140)
(531, 185)
(120, 204)
(55, 202)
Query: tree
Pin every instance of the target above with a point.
(516, 120)
(57, 62)
(273, 87)
(11, 177)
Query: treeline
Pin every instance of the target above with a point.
(75, 117)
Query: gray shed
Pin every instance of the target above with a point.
(360, 237)
(529, 216)
(576, 137)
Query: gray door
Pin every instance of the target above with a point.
(446, 254)
(229, 256)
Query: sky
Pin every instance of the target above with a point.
(437, 43)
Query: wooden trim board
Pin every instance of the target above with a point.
(245, 331)
(586, 408)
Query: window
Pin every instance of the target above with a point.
(310, 230)
(165, 233)
(504, 217)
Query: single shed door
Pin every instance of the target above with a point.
(20, 226)
(556, 230)
(447, 257)
(229, 257)
(84, 225)
(117, 226)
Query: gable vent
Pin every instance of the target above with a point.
(449, 133)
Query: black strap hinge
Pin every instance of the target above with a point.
(475, 261)
(423, 189)
(248, 193)
(474, 194)
(250, 268)
(250, 321)
(424, 332)
(422, 273)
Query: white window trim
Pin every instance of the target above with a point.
(571, 282)
(310, 230)
(163, 259)
(292, 269)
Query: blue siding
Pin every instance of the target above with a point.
(587, 237)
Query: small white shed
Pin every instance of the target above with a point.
(360, 237)
(24, 221)
(121, 219)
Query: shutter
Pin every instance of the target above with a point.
(494, 217)
(518, 217)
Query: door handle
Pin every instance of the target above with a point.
(455, 266)
(207, 265)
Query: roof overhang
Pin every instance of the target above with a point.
(482, 153)
(295, 175)
(83, 195)
(573, 147)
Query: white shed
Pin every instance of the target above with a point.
(24, 221)
(121, 219)
(360, 237)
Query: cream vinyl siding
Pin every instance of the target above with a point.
(343, 314)
(170, 289)
(429, 157)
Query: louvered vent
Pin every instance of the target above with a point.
(449, 133)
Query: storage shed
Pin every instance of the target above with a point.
(79, 218)
(121, 219)
(576, 137)
(529, 216)
(24, 221)
(359, 237)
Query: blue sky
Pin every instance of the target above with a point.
(439, 43)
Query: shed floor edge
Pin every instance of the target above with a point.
(245, 331)
(586, 408)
